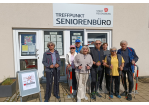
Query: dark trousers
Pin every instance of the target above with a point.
(117, 84)
(74, 81)
(107, 82)
(94, 79)
(130, 79)
(49, 82)
(101, 78)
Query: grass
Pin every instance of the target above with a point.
(8, 81)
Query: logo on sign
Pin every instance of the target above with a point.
(106, 9)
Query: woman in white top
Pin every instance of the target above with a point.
(70, 61)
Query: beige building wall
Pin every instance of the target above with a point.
(130, 22)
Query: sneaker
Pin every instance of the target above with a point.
(45, 100)
(129, 97)
(78, 100)
(123, 94)
(93, 96)
(97, 94)
(111, 96)
(58, 97)
(86, 98)
(100, 89)
(74, 92)
(118, 96)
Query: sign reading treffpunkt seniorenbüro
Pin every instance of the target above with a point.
(82, 15)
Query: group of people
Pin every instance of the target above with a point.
(96, 61)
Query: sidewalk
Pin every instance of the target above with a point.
(143, 95)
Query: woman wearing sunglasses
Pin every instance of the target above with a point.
(51, 61)
(70, 62)
(83, 63)
(114, 63)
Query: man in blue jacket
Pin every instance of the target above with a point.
(78, 46)
(130, 58)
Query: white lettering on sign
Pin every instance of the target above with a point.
(82, 15)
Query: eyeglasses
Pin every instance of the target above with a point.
(98, 43)
(113, 50)
(72, 48)
(51, 45)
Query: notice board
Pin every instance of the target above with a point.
(28, 82)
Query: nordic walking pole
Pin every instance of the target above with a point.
(110, 83)
(78, 80)
(89, 84)
(104, 79)
(58, 83)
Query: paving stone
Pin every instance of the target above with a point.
(68, 100)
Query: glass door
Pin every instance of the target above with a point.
(26, 50)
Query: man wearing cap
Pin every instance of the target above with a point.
(78, 45)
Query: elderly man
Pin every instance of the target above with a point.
(78, 45)
(97, 68)
(52, 62)
(130, 58)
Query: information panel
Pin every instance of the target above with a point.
(28, 82)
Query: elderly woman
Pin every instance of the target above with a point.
(52, 62)
(70, 62)
(83, 63)
(114, 63)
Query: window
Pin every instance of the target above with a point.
(26, 64)
(57, 38)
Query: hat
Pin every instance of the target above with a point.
(77, 40)
(72, 46)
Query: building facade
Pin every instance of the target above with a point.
(25, 30)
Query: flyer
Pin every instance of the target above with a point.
(24, 48)
(59, 44)
(28, 39)
(91, 42)
(53, 37)
(80, 38)
(31, 48)
(55, 44)
(74, 38)
(47, 38)
(59, 38)
(29, 81)
(98, 39)
(45, 44)
(103, 40)
(60, 51)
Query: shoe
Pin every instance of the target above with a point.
(78, 100)
(93, 96)
(45, 100)
(129, 97)
(58, 97)
(100, 88)
(118, 96)
(123, 94)
(111, 96)
(74, 92)
(86, 98)
(97, 94)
